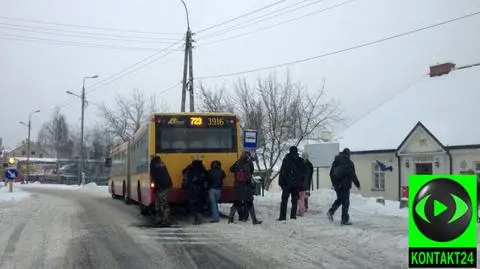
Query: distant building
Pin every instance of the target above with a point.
(430, 128)
(36, 151)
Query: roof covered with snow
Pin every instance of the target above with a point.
(448, 106)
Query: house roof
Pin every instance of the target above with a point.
(446, 105)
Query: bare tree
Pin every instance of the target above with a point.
(284, 113)
(54, 135)
(129, 114)
(213, 101)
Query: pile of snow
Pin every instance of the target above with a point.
(11, 197)
(92, 188)
(378, 237)
(324, 198)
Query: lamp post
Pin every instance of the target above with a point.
(82, 97)
(29, 126)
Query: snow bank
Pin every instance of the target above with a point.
(92, 188)
(12, 197)
(377, 239)
(323, 198)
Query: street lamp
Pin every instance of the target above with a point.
(82, 97)
(29, 126)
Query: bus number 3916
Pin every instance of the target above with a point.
(216, 122)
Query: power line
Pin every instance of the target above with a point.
(264, 17)
(133, 68)
(86, 35)
(87, 27)
(241, 16)
(120, 74)
(280, 23)
(341, 50)
(69, 43)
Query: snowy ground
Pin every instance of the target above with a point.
(12, 197)
(90, 188)
(377, 239)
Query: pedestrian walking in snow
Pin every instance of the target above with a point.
(308, 182)
(163, 183)
(291, 180)
(342, 175)
(243, 187)
(195, 176)
(216, 175)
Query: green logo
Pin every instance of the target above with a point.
(442, 221)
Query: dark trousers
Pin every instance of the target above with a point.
(286, 193)
(343, 199)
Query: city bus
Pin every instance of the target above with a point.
(177, 138)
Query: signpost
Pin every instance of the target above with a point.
(11, 174)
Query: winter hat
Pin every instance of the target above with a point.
(305, 155)
(346, 151)
(293, 150)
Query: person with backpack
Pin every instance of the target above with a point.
(303, 198)
(243, 187)
(342, 174)
(195, 178)
(291, 180)
(216, 175)
(163, 183)
(308, 179)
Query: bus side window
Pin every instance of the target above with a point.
(179, 145)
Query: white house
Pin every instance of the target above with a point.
(432, 127)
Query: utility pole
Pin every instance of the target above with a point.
(82, 97)
(187, 63)
(29, 126)
(190, 79)
(185, 66)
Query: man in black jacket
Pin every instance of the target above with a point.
(291, 179)
(163, 184)
(342, 174)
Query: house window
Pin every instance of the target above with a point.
(24, 152)
(33, 152)
(378, 178)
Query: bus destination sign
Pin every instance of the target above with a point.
(196, 121)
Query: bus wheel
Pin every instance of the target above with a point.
(125, 194)
(113, 192)
(143, 209)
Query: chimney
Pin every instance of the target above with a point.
(441, 69)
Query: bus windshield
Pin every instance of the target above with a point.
(183, 136)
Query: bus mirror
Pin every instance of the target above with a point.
(108, 162)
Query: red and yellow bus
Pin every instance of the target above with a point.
(177, 138)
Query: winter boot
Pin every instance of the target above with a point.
(232, 214)
(254, 217)
(330, 215)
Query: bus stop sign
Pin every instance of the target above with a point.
(250, 139)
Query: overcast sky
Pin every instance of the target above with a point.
(35, 74)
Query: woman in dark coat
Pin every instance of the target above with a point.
(195, 180)
(243, 187)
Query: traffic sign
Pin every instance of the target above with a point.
(250, 139)
(11, 173)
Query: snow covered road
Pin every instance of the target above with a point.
(73, 227)
(62, 229)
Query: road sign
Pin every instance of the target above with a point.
(250, 138)
(11, 173)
